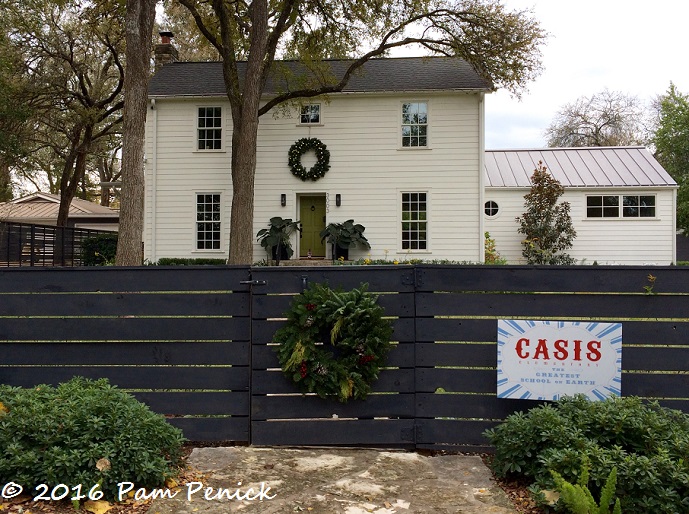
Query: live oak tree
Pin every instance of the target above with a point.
(139, 22)
(546, 224)
(671, 141)
(502, 45)
(609, 118)
(72, 52)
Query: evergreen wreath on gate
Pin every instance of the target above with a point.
(335, 342)
(302, 146)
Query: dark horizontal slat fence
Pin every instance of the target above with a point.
(195, 343)
(178, 338)
(24, 244)
(456, 354)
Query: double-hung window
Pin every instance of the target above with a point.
(209, 128)
(414, 221)
(414, 124)
(208, 221)
(620, 206)
(310, 114)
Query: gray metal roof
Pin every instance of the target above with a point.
(377, 75)
(45, 206)
(577, 167)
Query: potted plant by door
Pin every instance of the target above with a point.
(343, 236)
(275, 238)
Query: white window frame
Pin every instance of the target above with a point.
(619, 209)
(311, 106)
(215, 219)
(411, 124)
(402, 221)
(221, 129)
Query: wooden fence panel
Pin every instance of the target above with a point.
(178, 338)
(457, 310)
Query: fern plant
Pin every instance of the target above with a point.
(578, 499)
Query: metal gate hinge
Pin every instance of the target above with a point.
(253, 282)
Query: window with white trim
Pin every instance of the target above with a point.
(310, 114)
(208, 221)
(620, 206)
(209, 128)
(415, 124)
(414, 221)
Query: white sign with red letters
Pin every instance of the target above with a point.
(544, 360)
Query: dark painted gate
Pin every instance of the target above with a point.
(282, 416)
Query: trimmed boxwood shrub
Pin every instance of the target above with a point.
(99, 250)
(177, 261)
(647, 443)
(84, 432)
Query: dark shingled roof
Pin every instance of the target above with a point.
(377, 75)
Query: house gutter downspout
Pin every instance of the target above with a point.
(481, 173)
(674, 226)
(153, 189)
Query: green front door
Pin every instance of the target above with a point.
(312, 217)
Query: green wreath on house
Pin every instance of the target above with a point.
(298, 149)
(334, 343)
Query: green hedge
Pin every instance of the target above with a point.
(99, 250)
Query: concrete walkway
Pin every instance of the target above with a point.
(334, 480)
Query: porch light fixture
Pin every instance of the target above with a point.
(283, 199)
(338, 199)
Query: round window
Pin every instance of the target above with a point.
(491, 208)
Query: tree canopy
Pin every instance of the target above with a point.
(502, 45)
(71, 55)
(608, 118)
(671, 141)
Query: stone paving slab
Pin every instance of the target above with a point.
(335, 480)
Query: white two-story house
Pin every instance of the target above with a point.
(406, 161)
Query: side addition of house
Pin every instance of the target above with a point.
(406, 159)
(623, 202)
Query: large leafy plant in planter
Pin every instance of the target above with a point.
(275, 238)
(343, 236)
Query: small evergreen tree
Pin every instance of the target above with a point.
(546, 225)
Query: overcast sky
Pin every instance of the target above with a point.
(636, 47)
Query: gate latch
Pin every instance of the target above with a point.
(253, 282)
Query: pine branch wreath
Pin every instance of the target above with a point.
(302, 146)
(335, 342)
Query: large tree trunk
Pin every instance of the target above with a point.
(244, 139)
(139, 27)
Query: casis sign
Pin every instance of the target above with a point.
(544, 360)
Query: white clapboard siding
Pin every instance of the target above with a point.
(632, 241)
(369, 170)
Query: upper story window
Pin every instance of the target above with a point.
(208, 221)
(209, 128)
(310, 114)
(415, 124)
(491, 208)
(414, 221)
(621, 206)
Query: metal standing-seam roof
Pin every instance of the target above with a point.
(577, 167)
(45, 206)
(377, 75)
